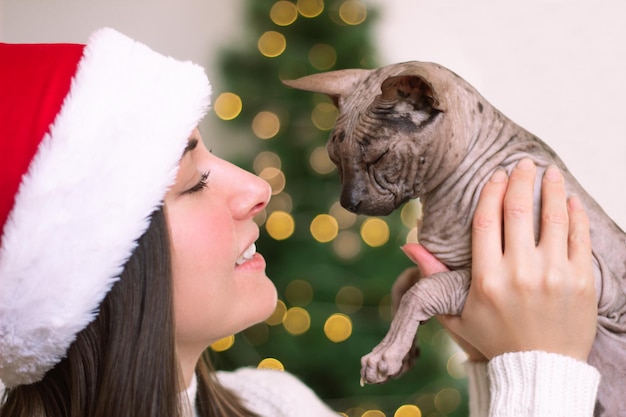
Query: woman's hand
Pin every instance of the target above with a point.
(525, 296)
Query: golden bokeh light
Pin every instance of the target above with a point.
(373, 413)
(271, 44)
(324, 115)
(353, 12)
(275, 178)
(455, 365)
(322, 56)
(324, 228)
(271, 363)
(283, 13)
(347, 244)
(223, 344)
(408, 410)
(280, 202)
(297, 321)
(310, 8)
(412, 236)
(338, 327)
(280, 225)
(265, 125)
(299, 292)
(375, 232)
(349, 299)
(266, 159)
(320, 162)
(344, 217)
(447, 400)
(411, 213)
(278, 315)
(227, 106)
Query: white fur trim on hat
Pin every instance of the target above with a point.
(110, 156)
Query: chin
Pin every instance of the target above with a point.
(269, 300)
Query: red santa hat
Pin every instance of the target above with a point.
(90, 140)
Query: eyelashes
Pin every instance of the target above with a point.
(201, 185)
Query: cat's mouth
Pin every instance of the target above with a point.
(379, 205)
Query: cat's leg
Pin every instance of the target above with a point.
(441, 293)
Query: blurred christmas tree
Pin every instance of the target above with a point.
(333, 269)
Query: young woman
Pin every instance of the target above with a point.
(127, 248)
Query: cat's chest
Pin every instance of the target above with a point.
(446, 233)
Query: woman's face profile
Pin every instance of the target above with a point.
(219, 281)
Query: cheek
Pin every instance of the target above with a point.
(201, 235)
(202, 266)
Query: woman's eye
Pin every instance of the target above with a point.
(201, 185)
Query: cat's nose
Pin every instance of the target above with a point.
(350, 202)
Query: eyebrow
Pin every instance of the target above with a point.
(191, 145)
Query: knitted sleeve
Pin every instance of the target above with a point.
(272, 393)
(541, 384)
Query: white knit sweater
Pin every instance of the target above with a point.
(268, 393)
(520, 384)
(532, 384)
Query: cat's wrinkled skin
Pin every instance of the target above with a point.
(417, 129)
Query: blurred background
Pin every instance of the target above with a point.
(554, 66)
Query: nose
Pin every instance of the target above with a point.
(349, 201)
(353, 194)
(250, 193)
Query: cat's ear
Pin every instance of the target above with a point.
(333, 83)
(413, 88)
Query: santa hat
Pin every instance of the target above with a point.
(90, 140)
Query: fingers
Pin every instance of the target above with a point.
(487, 222)
(579, 238)
(554, 217)
(519, 237)
(529, 297)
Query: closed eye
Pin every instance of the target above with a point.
(374, 159)
(200, 185)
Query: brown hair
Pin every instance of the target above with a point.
(124, 362)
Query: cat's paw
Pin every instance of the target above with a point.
(384, 363)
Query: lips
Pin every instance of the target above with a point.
(247, 254)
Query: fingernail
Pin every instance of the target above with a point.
(525, 164)
(499, 175)
(553, 174)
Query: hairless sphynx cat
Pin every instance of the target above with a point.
(418, 130)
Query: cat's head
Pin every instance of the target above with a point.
(392, 137)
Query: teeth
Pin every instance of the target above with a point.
(247, 254)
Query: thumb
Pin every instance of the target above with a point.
(425, 260)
